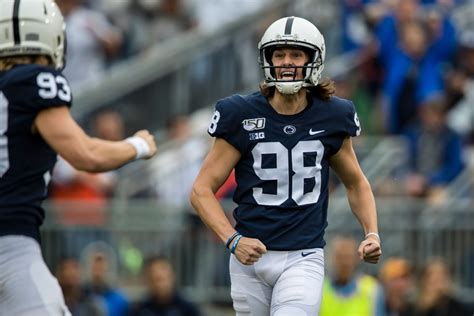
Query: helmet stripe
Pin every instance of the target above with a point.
(289, 25)
(16, 23)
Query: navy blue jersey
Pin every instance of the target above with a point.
(26, 160)
(282, 176)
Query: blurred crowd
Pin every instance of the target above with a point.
(397, 290)
(415, 81)
(89, 287)
(89, 284)
(102, 33)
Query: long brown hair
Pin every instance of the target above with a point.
(325, 89)
(6, 63)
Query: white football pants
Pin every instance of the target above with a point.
(27, 287)
(281, 283)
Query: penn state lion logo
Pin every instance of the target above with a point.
(289, 129)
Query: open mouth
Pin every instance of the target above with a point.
(288, 75)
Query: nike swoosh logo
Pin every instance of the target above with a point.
(316, 132)
(304, 254)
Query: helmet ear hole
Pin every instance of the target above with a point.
(268, 55)
(310, 53)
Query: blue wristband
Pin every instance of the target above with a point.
(229, 240)
(236, 242)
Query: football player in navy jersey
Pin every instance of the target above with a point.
(281, 142)
(35, 125)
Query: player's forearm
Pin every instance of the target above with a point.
(210, 211)
(107, 155)
(362, 202)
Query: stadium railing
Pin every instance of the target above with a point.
(138, 228)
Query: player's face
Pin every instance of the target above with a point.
(285, 59)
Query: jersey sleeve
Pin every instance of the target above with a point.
(44, 88)
(351, 120)
(226, 124)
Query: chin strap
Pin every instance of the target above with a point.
(289, 87)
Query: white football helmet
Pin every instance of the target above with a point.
(32, 27)
(293, 32)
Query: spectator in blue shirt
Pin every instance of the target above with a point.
(414, 44)
(435, 150)
(116, 302)
(411, 74)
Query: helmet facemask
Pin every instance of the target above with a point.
(292, 32)
(311, 70)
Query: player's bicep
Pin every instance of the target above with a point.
(345, 164)
(62, 133)
(218, 164)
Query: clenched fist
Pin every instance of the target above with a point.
(370, 250)
(150, 140)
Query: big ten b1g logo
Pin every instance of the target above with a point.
(257, 136)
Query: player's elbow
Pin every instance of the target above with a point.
(358, 184)
(194, 195)
(198, 193)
